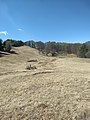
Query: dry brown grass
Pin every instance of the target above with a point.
(59, 89)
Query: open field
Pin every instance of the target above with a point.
(59, 89)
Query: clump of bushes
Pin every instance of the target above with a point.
(84, 51)
(6, 46)
(29, 67)
(87, 54)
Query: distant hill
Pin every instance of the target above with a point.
(88, 42)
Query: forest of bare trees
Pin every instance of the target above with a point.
(53, 48)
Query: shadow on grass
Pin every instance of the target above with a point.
(13, 52)
(2, 54)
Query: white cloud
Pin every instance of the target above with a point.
(4, 33)
(20, 29)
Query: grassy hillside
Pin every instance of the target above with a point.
(59, 89)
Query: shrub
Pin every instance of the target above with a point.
(83, 50)
(1, 45)
(7, 46)
(29, 67)
(87, 54)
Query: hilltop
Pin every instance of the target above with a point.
(58, 89)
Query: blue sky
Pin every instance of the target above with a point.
(54, 20)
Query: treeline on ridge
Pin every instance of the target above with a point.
(7, 45)
(53, 48)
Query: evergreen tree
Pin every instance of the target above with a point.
(83, 50)
(1, 45)
(7, 46)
